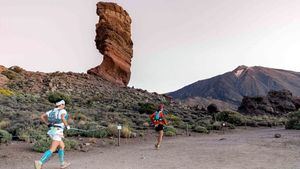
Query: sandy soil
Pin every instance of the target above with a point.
(238, 149)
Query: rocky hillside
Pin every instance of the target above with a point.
(232, 86)
(24, 94)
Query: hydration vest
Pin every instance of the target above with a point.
(157, 115)
(54, 118)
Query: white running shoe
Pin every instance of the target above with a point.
(65, 165)
(37, 165)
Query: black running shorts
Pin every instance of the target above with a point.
(159, 127)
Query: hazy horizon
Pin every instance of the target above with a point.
(176, 42)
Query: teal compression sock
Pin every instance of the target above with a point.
(46, 157)
(61, 154)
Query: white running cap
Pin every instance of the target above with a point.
(60, 103)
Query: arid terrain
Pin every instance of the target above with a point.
(251, 148)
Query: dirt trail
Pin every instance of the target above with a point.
(240, 149)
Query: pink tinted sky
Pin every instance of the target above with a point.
(176, 42)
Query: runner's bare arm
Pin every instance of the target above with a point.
(64, 120)
(44, 118)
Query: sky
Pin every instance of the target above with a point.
(176, 42)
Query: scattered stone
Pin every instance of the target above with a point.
(93, 140)
(277, 135)
(87, 144)
(4, 156)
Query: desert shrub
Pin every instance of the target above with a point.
(5, 136)
(147, 108)
(10, 74)
(112, 130)
(293, 120)
(200, 129)
(87, 129)
(43, 145)
(217, 125)
(78, 116)
(212, 108)
(230, 126)
(4, 123)
(176, 121)
(231, 117)
(26, 98)
(264, 120)
(126, 132)
(32, 134)
(70, 144)
(99, 133)
(170, 131)
(207, 123)
(15, 127)
(54, 97)
(96, 133)
(6, 92)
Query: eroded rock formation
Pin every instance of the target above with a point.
(113, 40)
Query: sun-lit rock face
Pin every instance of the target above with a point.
(113, 40)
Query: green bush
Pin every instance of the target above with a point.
(264, 120)
(5, 136)
(231, 117)
(217, 125)
(26, 98)
(147, 108)
(170, 131)
(293, 120)
(230, 126)
(31, 135)
(200, 129)
(43, 145)
(54, 97)
(100, 133)
(176, 121)
(207, 123)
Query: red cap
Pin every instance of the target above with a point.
(161, 106)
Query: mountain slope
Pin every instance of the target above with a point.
(243, 81)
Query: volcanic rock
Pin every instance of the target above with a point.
(113, 40)
(275, 103)
(2, 68)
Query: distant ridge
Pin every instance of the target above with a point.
(230, 87)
